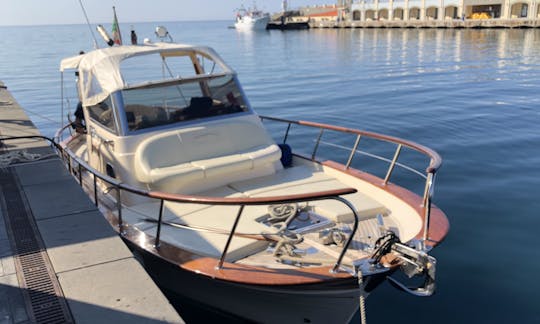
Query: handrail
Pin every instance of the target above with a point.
(434, 164)
(242, 202)
(436, 159)
(205, 200)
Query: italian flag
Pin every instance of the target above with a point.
(116, 35)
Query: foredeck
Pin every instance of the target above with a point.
(207, 226)
(222, 230)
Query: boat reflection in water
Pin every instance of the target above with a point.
(222, 214)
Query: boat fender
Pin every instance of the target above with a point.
(286, 154)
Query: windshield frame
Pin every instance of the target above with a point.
(239, 107)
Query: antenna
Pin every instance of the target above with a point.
(89, 27)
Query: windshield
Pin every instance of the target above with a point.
(182, 100)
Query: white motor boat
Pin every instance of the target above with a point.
(251, 19)
(244, 212)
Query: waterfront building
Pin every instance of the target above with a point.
(440, 10)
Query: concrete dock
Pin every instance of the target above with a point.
(60, 261)
(449, 23)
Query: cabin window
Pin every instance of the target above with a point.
(182, 100)
(103, 114)
(157, 68)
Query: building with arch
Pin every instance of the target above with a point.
(440, 10)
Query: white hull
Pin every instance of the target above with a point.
(248, 23)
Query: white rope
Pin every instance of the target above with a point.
(7, 159)
(362, 298)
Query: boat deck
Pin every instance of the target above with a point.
(217, 221)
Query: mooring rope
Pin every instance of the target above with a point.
(7, 159)
(362, 298)
(10, 157)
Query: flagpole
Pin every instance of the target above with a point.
(116, 35)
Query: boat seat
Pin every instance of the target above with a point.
(303, 179)
(209, 155)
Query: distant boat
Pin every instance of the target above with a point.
(251, 19)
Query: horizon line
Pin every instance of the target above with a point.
(121, 23)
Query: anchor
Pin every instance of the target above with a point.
(415, 263)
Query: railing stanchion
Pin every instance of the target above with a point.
(69, 165)
(95, 190)
(427, 188)
(427, 214)
(119, 207)
(317, 144)
(158, 234)
(287, 133)
(80, 174)
(392, 165)
(351, 236)
(427, 204)
(229, 239)
(353, 151)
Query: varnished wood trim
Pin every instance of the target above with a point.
(253, 275)
(239, 273)
(251, 200)
(435, 161)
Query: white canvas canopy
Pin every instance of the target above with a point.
(99, 70)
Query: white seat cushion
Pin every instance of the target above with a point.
(282, 179)
(302, 179)
(223, 165)
(264, 154)
(230, 149)
(184, 171)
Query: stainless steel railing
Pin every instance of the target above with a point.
(70, 159)
(430, 171)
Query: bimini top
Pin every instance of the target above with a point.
(99, 70)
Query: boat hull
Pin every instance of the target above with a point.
(252, 24)
(287, 25)
(331, 302)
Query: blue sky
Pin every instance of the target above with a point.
(46, 12)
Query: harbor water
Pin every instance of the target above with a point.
(470, 94)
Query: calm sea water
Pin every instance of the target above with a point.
(472, 95)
